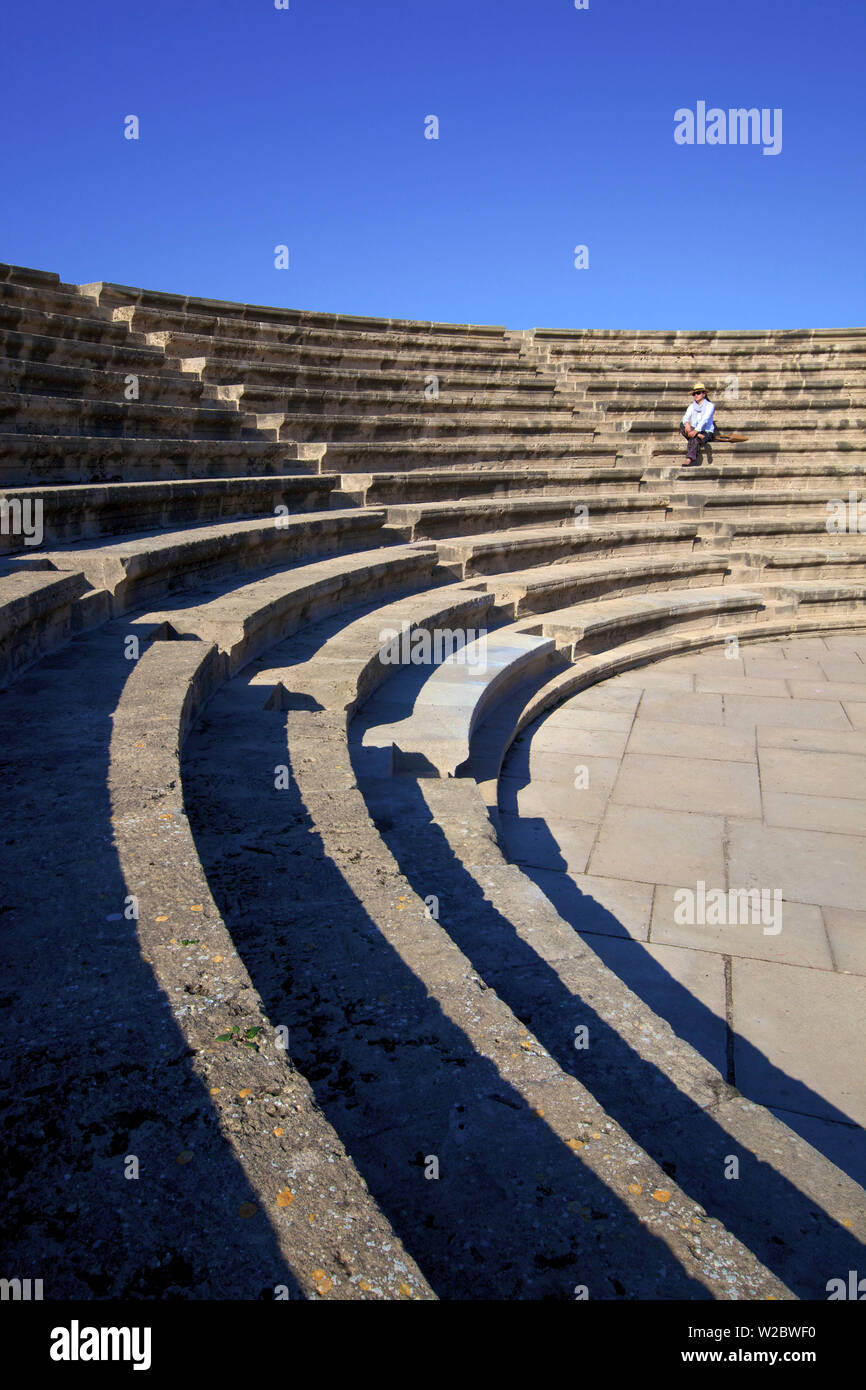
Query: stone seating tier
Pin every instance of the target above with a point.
(79, 512)
(57, 460)
(30, 376)
(42, 414)
(83, 354)
(86, 325)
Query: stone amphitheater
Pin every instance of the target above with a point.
(437, 681)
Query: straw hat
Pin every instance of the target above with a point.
(699, 386)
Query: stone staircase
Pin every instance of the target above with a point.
(254, 526)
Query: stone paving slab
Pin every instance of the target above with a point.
(677, 740)
(804, 648)
(775, 651)
(674, 846)
(802, 940)
(648, 679)
(559, 768)
(828, 690)
(856, 713)
(844, 668)
(812, 1024)
(710, 786)
(818, 740)
(561, 799)
(607, 906)
(708, 663)
(807, 865)
(608, 695)
(549, 844)
(744, 711)
(742, 685)
(582, 716)
(682, 708)
(846, 930)
(798, 771)
(564, 739)
(771, 668)
(841, 815)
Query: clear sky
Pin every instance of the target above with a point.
(305, 127)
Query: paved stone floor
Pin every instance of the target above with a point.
(739, 771)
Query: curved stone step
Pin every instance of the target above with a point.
(50, 298)
(41, 610)
(400, 379)
(822, 562)
(831, 471)
(430, 520)
(600, 625)
(545, 587)
(434, 739)
(80, 511)
(135, 569)
(248, 618)
(27, 460)
(27, 275)
(86, 324)
(222, 352)
(65, 415)
(261, 320)
(497, 552)
(426, 428)
(367, 651)
(81, 354)
(397, 397)
(31, 376)
(365, 456)
(654, 392)
(433, 485)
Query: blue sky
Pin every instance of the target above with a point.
(305, 127)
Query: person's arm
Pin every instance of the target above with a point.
(709, 424)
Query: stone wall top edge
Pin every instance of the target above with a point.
(110, 292)
(27, 275)
(758, 334)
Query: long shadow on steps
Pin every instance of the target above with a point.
(395, 1076)
(766, 1212)
(94, 1067)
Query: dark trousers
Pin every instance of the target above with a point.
(694, 443)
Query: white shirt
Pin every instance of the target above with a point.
(700, 417)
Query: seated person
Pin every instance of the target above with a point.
(697, 423)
